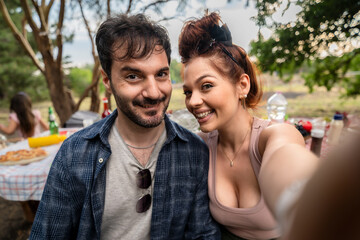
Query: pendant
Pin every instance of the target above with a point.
(231, 163)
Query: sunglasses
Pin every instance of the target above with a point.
(143, 181)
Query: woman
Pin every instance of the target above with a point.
(22, 118)
(253, 163)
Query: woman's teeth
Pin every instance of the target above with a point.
(202, 115)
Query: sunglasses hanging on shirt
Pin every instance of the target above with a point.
(143, 181)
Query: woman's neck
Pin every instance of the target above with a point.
(236, 132)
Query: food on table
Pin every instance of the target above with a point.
(29, 155)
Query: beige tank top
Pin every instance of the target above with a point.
(250, 223)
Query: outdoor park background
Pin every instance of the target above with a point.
(298, 46)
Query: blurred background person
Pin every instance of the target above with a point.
(23, 120)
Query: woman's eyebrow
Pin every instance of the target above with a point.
(199, 79)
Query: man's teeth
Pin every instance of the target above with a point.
(202, 115)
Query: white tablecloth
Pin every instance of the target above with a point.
(26, 182)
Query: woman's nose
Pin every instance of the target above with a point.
(195, 100)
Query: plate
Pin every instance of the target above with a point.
(23, 161)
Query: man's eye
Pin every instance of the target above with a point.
(132, 77)
(162, 74)
(206, 86)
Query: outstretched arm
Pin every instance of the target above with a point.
(285, 163)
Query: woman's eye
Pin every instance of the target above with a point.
(206, 86)
(187, 93)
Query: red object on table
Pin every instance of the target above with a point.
(106, 111)
(306, 125)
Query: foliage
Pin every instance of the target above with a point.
(79, 78)
(324, 38)
(175, 71)
(17, 72)
(45, 20)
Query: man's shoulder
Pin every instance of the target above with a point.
(186, 133)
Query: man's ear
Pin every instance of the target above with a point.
(106, 81)
(243, 85)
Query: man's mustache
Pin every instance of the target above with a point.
(148, 101)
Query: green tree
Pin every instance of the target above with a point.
(324, 36)
(45, 20)
(17, 73)
(175, 71)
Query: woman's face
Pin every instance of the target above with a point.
(211, 97)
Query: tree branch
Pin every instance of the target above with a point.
(17, 34)
(39, 10)
(129, 7)
(88, 29)
(27, 11)
(153, 4)
(59, 40)
(47, 10)
(108, 10)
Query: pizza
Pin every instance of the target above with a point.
(23, 156)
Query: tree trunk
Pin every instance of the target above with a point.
(60, 96)
(95, 98)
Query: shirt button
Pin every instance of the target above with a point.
(101, 160)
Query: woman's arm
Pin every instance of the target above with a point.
(10, 129)
(44, 124)
(285, 161)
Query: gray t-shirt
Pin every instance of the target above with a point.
(120, 219)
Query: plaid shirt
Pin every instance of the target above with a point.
(73, 200)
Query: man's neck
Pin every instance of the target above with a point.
(138, 136)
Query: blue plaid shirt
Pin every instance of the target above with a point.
(73, 200)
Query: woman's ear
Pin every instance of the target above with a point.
(106, 81)
(243, 85)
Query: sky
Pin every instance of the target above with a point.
(234, 14)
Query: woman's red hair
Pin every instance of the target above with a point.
(196, 32)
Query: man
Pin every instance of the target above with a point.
(134, 174)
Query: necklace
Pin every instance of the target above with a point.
(237, 151)
(141, 147)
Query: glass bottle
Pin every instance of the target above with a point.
(53, 126)
(276, 107)
(106, 111)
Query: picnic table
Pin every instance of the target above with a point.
(25, 183)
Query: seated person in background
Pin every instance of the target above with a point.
(252, 161)
(23, 118)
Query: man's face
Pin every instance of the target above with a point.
(141, 88)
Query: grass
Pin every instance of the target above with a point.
(320, 103)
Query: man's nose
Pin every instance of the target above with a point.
(151, 89)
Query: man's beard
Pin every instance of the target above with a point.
(125, 108)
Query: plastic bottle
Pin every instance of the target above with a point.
(53, 126)
(106, 111)
(336, 127)
(276, 107)
(317, 135)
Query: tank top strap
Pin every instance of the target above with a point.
(255, 157)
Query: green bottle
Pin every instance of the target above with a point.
(54, 128)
